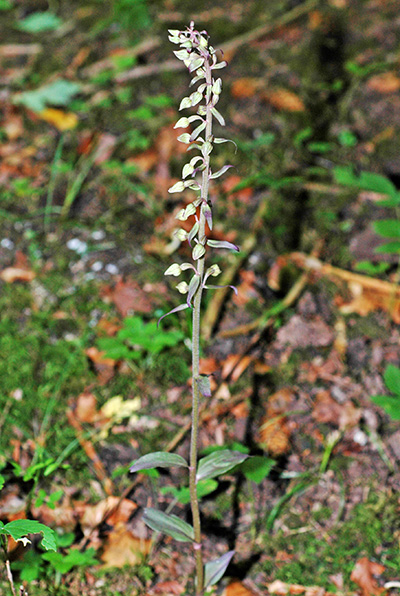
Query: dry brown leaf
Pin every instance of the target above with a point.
(363, 575)
(387, 82)
(105, 367)
(274, 432)
(117, 511)
(104, 148)
(13, 274)
(236, 588)
(246, 87)
(128, 297)
(124, 548)
(13, 126)
(60, 119)
(278, 587)
(285, 100)
(302, 333)
(167, 588)
(86, 407)
(235, 365)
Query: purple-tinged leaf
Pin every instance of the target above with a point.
(168, 524)
(158, 459)
(193, 233)
(193, 285)
(218, 116)
(197, 131)
(203, 383)
(208, 214)
(222, 244)
(220, 172)
(214, 570)
(219, 140)
(218, 463)
(214, 287)
(219, 65)
(176, 309)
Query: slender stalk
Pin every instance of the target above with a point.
(196, 361)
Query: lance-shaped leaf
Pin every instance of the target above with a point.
(220, 172)
(176, 309)
(219, 65)
(214, 570)
(208, 215)
(193, 232)
(219, 140)
(203, 383)
(222, 244)
(168, 524)
(214, 287)
(388, 228)
(158, 459)
(218, 463)
(197, 131)
(193, 285)
(218, 116)
(19, 529)
(389, 248)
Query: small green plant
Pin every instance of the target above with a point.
(137, 337)
(19, 530)
(390, 403)
(201, 60)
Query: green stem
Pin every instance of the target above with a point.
(194, 503)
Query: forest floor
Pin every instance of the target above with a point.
(311, 96)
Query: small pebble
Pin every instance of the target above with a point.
(7, 243)
(112, 269)
(78, 246)
(98, 235)
(97, 266)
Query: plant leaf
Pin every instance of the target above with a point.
(222, 244)
(168, 524)
(389, 248)
(366, 180)
(176, 309)
(220, 172)
(257, 468)
(388, 228)
(218, 463)
(19, 529)
(203, 382)
(391, 377)
(158, 459)
(214, 570)
(390, 404)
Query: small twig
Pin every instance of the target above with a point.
(10, 577)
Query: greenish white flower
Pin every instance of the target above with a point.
(182, 287)
(173, 269)
(181, 234)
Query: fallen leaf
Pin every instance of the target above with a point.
(285, 100)
(167, 588)
(104, 367)
(274, 432)
(363, 575)
(113, 509)
(387, 82)
(59, 118)
(104, 148)
(124, 548)
(13, 274)
(236, 588)
(85, 409)
(302, 333)
(246, 87)
(128, 297)
(13, 126)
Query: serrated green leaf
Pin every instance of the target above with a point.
(257, 468)
(168, 524)
(218, 463)
(214, 570)
(158, 459)
(20, 528)
(388, 228)
(391, 377)
(390, 404)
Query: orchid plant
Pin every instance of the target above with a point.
(201, 60)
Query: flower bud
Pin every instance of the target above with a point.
(173, 269)
(182, 287)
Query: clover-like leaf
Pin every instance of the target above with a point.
(158, 459)
(218, 463)
(168, 524)
(214, 570)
